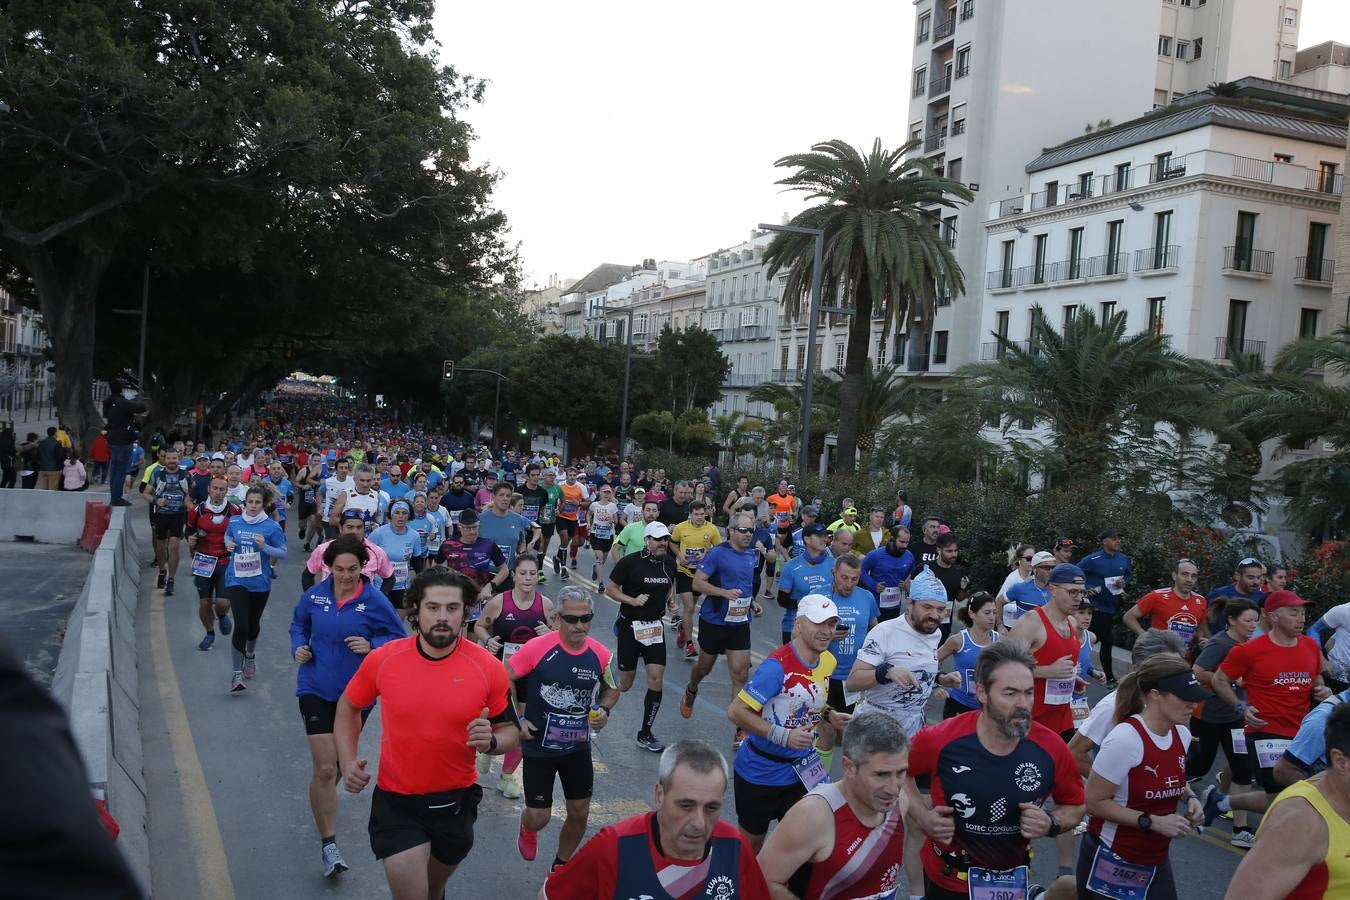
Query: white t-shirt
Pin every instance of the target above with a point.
(1098, 724)
(896, 643)
(332, 487)
(603, 518)
(633, 513)
(1014, 578)
(1338, 619)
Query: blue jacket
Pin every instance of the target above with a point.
(884, 567)
(319, 622)
(1099, 566)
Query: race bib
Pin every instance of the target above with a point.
(247, 564)
(203, 565)
(890, 597)
(692, 557)
(1112, 876)
(810, 770)
(564, 732)
(1239, 737)
(738, 610)
(569, 508)
(1268, 750)
(997, 884)
(1184, 630)
(529, 513)
(400, 574)
(1115, 584)
(509, 650)
(649, 634)
(1058, 691)
(1080, 708)
(454, 516)
(308, 496)
(782, 519)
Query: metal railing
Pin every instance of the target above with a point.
(939, 85)
(741, 379)
(1106, 265)
(921, 37)
(959, 126)
(1245, 259)
(967, 9)
(1227, 348)
(1314, 268)
(944, 300)
(998, 350)
(935, 142)
(1152, 259)
(918, 90)
(916, 362)
(788, 376)
(944, 29)
(1325, 182)
(963, 71)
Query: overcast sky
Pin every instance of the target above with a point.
(633, 130)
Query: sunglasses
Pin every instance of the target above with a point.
(1026, 558)
(660, 540)
(576, 620)
(743, 530)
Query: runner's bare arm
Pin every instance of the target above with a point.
(1275, 866)
(805, 835)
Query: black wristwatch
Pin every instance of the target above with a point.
(1145, 822)
(1055, 828)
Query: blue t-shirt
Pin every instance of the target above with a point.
(425, 530)
(1308, 750)
(249, 567)
(504, 531)
(394, 490)
(801, 576)
(857, 611)
(285, 493)
(400, 548)
(729, 568)
(1028, 595)
(1100, 567)
(1229, 591)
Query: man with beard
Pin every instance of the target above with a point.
(426, 797)
(457, 499)
(991, 770)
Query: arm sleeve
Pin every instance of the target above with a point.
(363, 688)
(763, 686)
(386, 625)
(276, 543)
(300, 623)
(709, 564)
(1120, 752)
(1211, 656)
(383, 567)
(865, 577)
(498, 698)
(872, 652)
(314, 565)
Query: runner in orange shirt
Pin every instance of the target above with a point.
(1178, 609)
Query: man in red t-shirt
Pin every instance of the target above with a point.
(1282, 674)
(443, 699)
(1178, 609)
(681, 851)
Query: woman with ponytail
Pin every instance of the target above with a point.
(981, 617)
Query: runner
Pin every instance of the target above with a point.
(426, 801)
(845, 838)
(1032, 593)
(873, 535)
(249, 537)
(505, 528)
(1051, 634)
(979, 616)
(885, 571)
(570, 507)
(307, 484)
(1107, 574)
(995, 768)
(680, 850)
(674, 510)
(508, 621)
(847, 519)
(791, 545)
(399, 543)
(1246, 583)
(778, 711)
(735, 496)
(362, 495)
(690, 542)
(1177, 608)
(808, 573)
(476, 557)
(334, 486)
(726, 578)
(428, 538)
(377, 567)
(632, 539)
(206, 523)
(276, 474)
(643, 584)
(335, 624)
(602, 519)
(1023, 557)
(167, 493)
(783, 506)
(457, 499)
(1138, 782)
(858, 613)
(570, 682)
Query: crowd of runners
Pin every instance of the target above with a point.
(421, 597)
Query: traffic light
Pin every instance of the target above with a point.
(448, 369)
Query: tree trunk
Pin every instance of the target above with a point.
(855, 365)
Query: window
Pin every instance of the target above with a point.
(1001, 325)
(750, 316)
(915, 131)
(1244, 241)
(1162, 236)
(1164, 45)
(1084, 189)
(1284, 157)
(801, 358)
(1038, 258)
(954, 167)
(1162, 166)
(840, 350)
(939, 347)
(949, 231)
(1183, 49)
(1290, 18)
(1122, 176)
(925, 22)
(881, 350)
(783, 357)
(1051, 193)
(967, 9)
(959, 121)
(1157, 311)
(920, 80)
(963, 62)
(1108, 310)
(1159, 99)
(1237, 326)
(1307, 322)
(1326, 177)
(1006, 265)
(1199, 48)
(820, 356)
(1075, 253)
(1070, 311)
(1286, 68)
(754, 288)
(1317, 248)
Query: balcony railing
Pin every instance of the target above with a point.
(935, 142)
(921, 37)
(944, 300)
(1313, 268)
(944, 29)
(919, 88)
(959, 126)
(967, 9)
(1106, 265)
(998, 350)
(1245, 259)
(1153, 259)
(788, 376)
(916, 362)
(963, 71)
(1325, 182)
(1227, 348)
(742, 379)
(939, 85)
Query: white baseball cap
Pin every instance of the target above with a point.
(656, 530)
(817, 608)
(1043, 557)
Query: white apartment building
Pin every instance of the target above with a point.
(741, 311)
(26, 379)
(1211, 222)
(601, 303)
(656, 307)
(994, 82)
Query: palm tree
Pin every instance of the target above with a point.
(786, 401)
(732, 430)
(882, 250)
(1087, 384)
(886, 395)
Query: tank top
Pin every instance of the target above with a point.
(1155, 786)
(782, 510)
(368, 504)
(573, 495)
(864, 862)
(515, 626)
(1053, 695)
(1331, 876)
(964, 662)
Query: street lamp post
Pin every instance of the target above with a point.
(627, 371)
(144, 313)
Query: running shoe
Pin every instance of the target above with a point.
(1243, 840)
(600, 585)
(250, 667)
(207, 641)
(168, 588)
(649, 742)
(161, 578)
(333, 863)
(509, 785)
(237, 683)
(565, 574)
(527, 843)
(1209, 799)
(483, 763)
(687, 703)
(557, 564)
(1111, 684)
(226, 626)
(689, 651)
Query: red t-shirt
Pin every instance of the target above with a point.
(427, 705)
(1279, 680)
(1166, 609)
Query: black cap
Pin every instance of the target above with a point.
(813, 529)
(1108, 533)
(468, 517)
(1182, 684)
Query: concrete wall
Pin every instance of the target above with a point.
(96, 678)
(48, 517)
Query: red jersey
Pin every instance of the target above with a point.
(427, 706)
(1278, 680)
(1168, 610)
(865, 861)
(1155, 786)
(1053, 695)
(210, 528)
(626, 860)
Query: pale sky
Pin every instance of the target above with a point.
(633, 130)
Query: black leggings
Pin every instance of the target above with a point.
(1206, 739)
(248, 609)
(1103, 626)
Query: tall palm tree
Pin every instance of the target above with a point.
(886, 395)
(731, 430)
(882, 250)
(1086, 384)
(787, 402)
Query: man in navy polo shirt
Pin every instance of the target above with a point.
(1107, 574)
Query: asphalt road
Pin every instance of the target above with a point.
(227, 774)
(42, 583)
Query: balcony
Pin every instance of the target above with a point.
(743, 380)
(944, 30)
(939, 86)
(944, 300)
(998, 350)
(1324, 182)
(935, 142)
(1228, 348)
(1157, 260)
(788, 376)
(1108, 265)
(1315, 270)
(916, 362)
(1247, 262)
(967, 9)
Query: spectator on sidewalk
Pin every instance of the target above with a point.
(99, 454)
(123, 430)
(28, 475)
(51, 457)
(73, 474)
(9, 449)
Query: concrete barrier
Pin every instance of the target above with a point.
(48, 517)
(96, 680)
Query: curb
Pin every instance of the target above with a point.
(97, 683)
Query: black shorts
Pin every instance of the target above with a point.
(445, 820)
(953, 707)
(320, 714)
(546, 529)
(1206, 739)
(684, 584)
(1265, 776)
(574, 770)
(601, 546)
(759, 804)
(305, 510)
(834, 696)
(630, 651)
(566, 525)
(211, 586)
(169, 524)
(717, 639)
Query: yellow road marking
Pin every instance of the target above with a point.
(212, 869)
